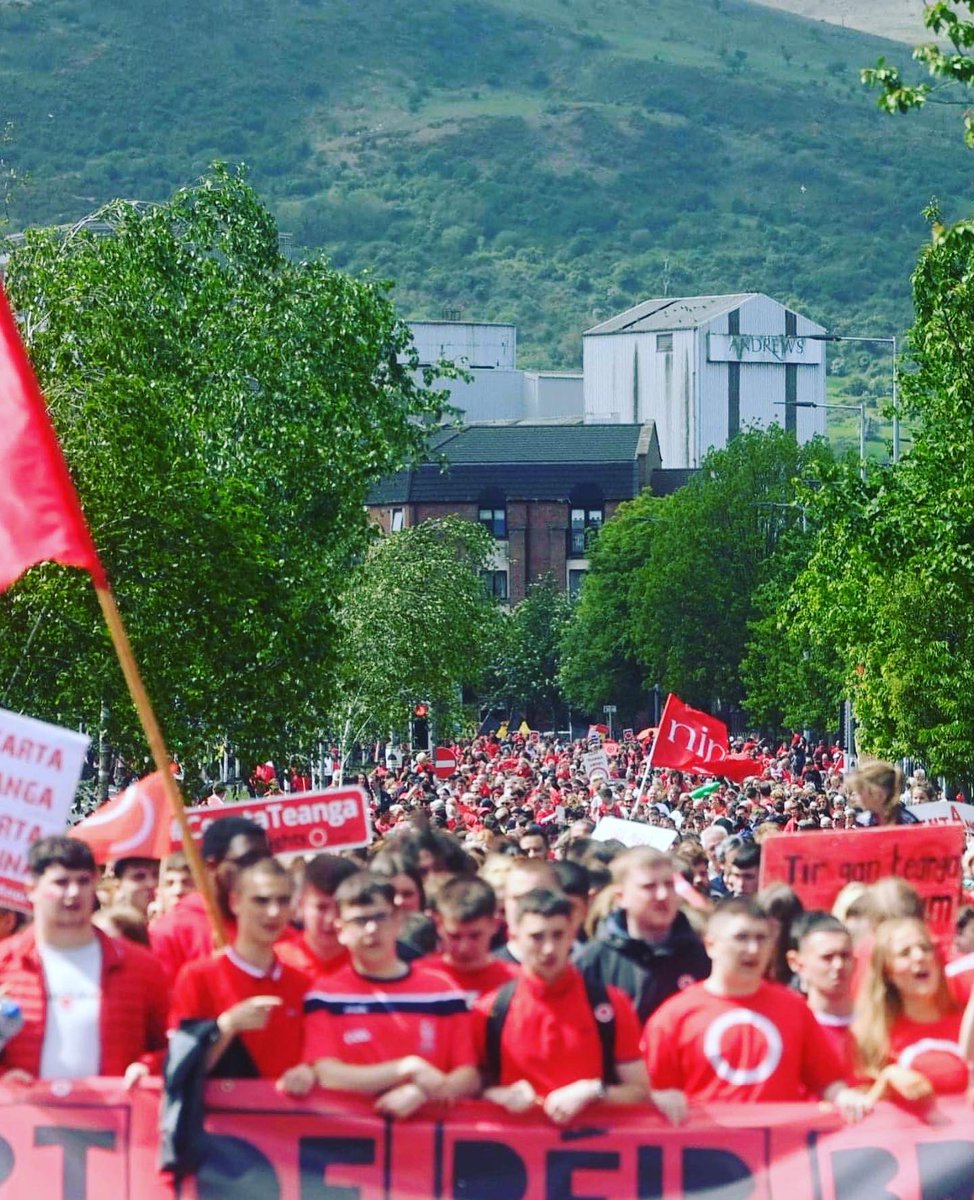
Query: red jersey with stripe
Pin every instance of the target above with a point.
(550, 1037)
(361, 1020)
(763, 1048)
(208, 987)
(960, 978)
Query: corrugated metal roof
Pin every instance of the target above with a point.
(671, 312)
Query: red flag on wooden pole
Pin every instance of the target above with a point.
(40, 516)
(41, 521)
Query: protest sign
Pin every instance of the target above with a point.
(337, 819)
(628, 735)
(633, 833)
(89, 1138)
(946, 812)
(596, 762)
(40, 766)
(818, 865)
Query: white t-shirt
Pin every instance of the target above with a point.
(72, 1032)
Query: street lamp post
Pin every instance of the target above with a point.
(881, 341)
(856, 408)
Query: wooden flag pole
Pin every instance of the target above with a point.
(143, 706)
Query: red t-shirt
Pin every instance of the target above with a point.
(932, 1048)
(208, 987)
(550, 1037)
(960, 978)
(296, 952)
(763, 1048)
(473, 984)
(361, 1020)
(184, 934)
(838, 1030)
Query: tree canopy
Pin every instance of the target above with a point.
(416, 625)
(671, 590)
(223, 411)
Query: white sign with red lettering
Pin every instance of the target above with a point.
(946, 812)
(40, 766)
(309, 822)
(596, 763)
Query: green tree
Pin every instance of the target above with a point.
(524, 672)
(224, 412)
(673, 580)
(415, 624)
(597, 656)
(890, 586)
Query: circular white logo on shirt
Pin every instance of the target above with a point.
(742, 1076)
(603, 1013)
(928, 1045)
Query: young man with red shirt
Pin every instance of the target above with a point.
(823, 961)
(465, 912)
(92, 1004)
(316, 950)
(738, 1037)
(255, 1000)
(399, 1031)
(550, 1051)
(184, 933)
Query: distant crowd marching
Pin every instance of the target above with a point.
(493, 941)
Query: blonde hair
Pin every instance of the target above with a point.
(885, 777)
(879, 1003)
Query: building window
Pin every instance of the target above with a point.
(495, 520)
(583, 521)
(398, 520)
(496, 584)
(575, 582)
(664, 343)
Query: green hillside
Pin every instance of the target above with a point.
(547, 162)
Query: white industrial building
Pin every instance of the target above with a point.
(704, 368)
(498, 390)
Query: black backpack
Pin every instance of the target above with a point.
(602, 1012)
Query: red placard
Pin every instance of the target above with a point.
(337, 819)
(444, 762)
(819, 865)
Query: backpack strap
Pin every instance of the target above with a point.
(605, 1024)
(495, 1027)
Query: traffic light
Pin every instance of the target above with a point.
(421, 726)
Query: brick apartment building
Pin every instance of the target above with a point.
(539, 487)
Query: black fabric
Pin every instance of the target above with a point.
(602, 1012)
(648, 973)
(182, 1140)
(181, 1137)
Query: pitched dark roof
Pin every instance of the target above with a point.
(523, 461)
(664, 482)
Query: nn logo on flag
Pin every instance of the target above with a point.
(689, 739)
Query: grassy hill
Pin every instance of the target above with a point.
(547, 162)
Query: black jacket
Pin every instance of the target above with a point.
(648, 974)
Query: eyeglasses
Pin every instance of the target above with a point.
(367, 919)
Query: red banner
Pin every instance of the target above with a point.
(91, 1140)
(337, 819)
(819, 865)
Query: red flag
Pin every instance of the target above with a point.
(40, 517)
(133, 824)
(601, 730)
(689, 739)
(738, 767)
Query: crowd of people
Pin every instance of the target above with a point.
(487, 944)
